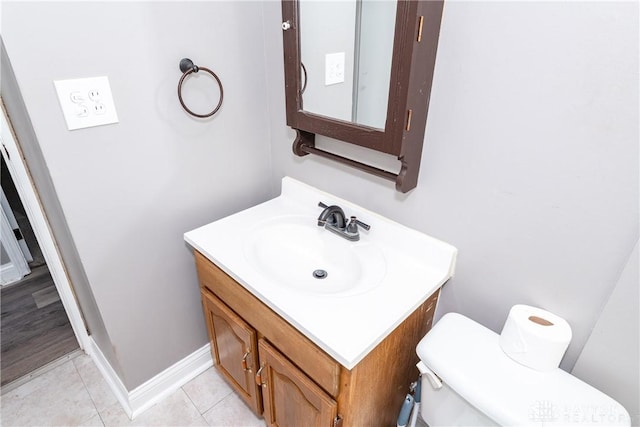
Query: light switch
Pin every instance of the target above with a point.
(86, 102)
(334, 68)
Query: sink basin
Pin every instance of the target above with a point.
(272, 249)
(299, 256)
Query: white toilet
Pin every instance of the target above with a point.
(468, 380)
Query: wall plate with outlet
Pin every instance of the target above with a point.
(334, 68)
(86, 102)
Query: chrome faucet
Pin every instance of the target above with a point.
(333, 219)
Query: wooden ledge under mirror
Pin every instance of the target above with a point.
(363, 69)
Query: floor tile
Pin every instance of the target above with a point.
(58, 397)
(97, 386)
(94, 421)
(76, 394)
(175, 410)
(232, 412)
(207, 389)
(114, 415)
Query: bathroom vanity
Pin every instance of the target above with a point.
(303, 350)
(276, 368)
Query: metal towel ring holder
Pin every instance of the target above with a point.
(187, 67)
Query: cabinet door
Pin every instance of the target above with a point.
(233, 344)
(291, 399)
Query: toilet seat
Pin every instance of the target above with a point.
(468, 357)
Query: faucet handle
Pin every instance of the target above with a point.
(352, 227)
(322, 205)
(362, 224)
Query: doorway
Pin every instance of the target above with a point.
(21, 178)
(35, 328)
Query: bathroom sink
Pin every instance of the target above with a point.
(371, 285)
(302, 257)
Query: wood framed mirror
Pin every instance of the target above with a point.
(398, 130)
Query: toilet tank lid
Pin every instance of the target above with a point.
(468, 357)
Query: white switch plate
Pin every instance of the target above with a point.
(86, 102)
(334, 68)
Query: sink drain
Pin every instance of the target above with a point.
(320, 274)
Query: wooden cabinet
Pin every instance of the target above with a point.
(285, 377)
(290, 397)
(234, 348)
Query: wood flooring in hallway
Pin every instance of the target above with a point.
(35, 329)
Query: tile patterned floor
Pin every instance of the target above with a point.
(76, 394)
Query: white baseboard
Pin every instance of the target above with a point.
(144, 396)
(112, 378)
(169, 380)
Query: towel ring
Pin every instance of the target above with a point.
(187, 67)
(304, 73)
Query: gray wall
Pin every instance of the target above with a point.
(130, 190)
(67, 250)
(609, 359)
(530, 163)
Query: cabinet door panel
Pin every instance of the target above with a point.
(234, 347)
(318, 365)
(291, 399)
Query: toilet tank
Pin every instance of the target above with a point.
(441, 406)
(469, 380)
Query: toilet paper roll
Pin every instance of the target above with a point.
(535, 337)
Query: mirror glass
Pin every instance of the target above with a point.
(346, 48)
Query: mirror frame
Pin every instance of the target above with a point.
(415, 45)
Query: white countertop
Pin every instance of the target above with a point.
(347, 327)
